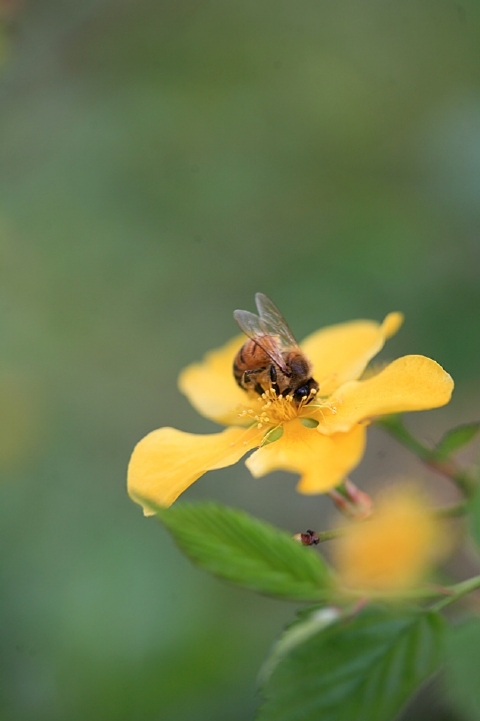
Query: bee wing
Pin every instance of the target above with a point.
(256, 329)
(274, 320)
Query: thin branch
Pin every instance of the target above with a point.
(447, 467)
(457, 591)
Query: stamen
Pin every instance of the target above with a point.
(272, 435)
(277, 409)
(260, 418)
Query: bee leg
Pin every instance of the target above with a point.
(273, 378)
(249, 381)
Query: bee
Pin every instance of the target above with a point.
(271, 358)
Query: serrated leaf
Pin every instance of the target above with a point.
(355, 669)
(455, 439)
(307, 624)
(240, 548)
(461, 668)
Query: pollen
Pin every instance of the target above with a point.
(281, 408)
(261, 418)
(273, 409)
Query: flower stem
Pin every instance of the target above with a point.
(452, 511)
(456, 592)
(329, 535)
(446, 466)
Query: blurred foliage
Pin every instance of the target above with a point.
(462, 665)
(161, 162)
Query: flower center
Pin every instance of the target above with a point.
(272, 409)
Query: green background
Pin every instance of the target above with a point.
(160, 162)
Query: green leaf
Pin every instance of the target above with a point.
(455, 439)
(474, 517)
(353, 669)
(239, 548)
(462, 664)
(308, 623)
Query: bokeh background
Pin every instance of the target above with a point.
(159, 163)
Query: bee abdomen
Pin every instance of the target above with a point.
(237, 373)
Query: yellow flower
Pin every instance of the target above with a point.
(393, 551)
(322, 440)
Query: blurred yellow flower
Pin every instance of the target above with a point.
(395, 549)
(322, 440)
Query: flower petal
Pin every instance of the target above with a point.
(211, 388)
(340, 353)
(411, 383)
(167, 461)
(322, 461)
(392, 552)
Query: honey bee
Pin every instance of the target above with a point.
(271, 358)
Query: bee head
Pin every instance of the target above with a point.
(305, 390)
